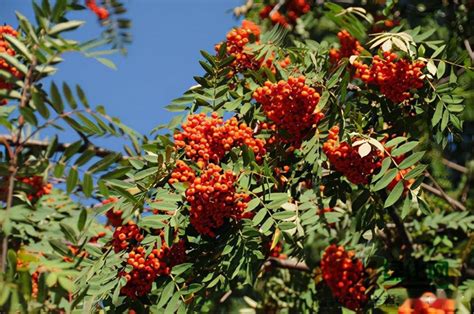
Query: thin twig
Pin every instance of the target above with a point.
(288, 264)
(469, 49)
(441, 191)
(436, 192)
(98, 151)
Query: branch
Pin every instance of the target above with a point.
(99, 152)
(402, 231)
(441, 191)
(454, 166)
(450, 200)
(469, 49)
(287, 264)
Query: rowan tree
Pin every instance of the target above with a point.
(319, 165)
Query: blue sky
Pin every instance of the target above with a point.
(161, 61)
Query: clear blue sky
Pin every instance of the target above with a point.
(161, 61)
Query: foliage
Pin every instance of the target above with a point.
(297, 164)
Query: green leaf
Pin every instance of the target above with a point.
(394, 195)
(107, 62)
(386, 179)
(87, 184)
(441, 69)
(445, 120)
(68, 232)
(385, 165)
(56, 100)
(145, 173)
(51, 279)
(438, 51)
(438, 113)
(66, 26)
(69, 96)
(166, 294)
(82, 96)
(39, 104)
(284, 215)
(81, 222)
(411, 160)
(259, 216)
(395, 141)
(154, 221)
(66, 284)
(407, 147)
(181, 268)
(71, 180)
(415, 172)
(15, 62)
(19, 46)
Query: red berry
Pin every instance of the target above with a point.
(345, 275)
(290, 106)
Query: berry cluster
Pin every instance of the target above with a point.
(293, 10)
(346, 159)
(38, 186)
(236, 46)
(114, 216)
(291, 106)
(146, 266)
(349, 47)
(101, 12)
(213, 199)
(207, 139)
(345, 276)
(182, 173)
(394, 77)
(4, 66)
(126, 235)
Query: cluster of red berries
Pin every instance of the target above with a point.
(208, 139)
(349, 47)
(236, 46)
(347, 160)
(291, 107)
(293, 10)
(38, 186)
(182, 173)
(101, 12)
(213, 199)
(114, 216)
(146, 268)
(125, 235)
(4, 66)
(345, 276)
(395, 77)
